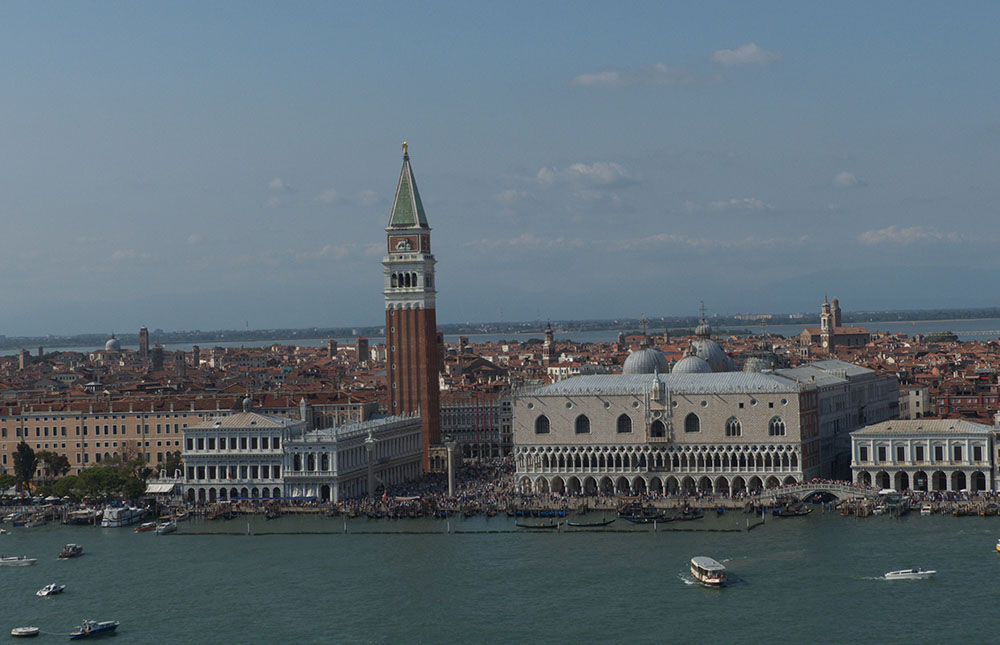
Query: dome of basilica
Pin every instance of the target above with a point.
(646, 361)
(112, 345)
(692, 364)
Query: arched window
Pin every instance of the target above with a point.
(692, 423)
(657, 429)
(582, 424)
(733, 428)
(624, 424)
(395, 281)
(776, 428)
(542, 425)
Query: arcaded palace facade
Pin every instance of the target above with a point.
(701, 427)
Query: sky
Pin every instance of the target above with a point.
(192, 165)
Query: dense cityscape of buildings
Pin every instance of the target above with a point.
(646, 412)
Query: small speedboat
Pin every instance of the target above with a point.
(708, 571)
(926, 509)
(50, 589)
(909, 574)
(145, 526)
(166, 527)
(16, 561)
(71, 551)
(23, 632)
(3, 531)
(94, 628)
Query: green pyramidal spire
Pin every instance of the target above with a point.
(407, 209)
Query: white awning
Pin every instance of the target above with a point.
(160, 489)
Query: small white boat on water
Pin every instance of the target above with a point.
(16, 561)
(119, 516)
(166, 527)
(926, 509)
(909, 574)
(22, 632)
(708, 572)
(50, 589)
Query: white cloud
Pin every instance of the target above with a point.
(742, 204)
(278, 185)
(511, 195)
(194, 238)
(846, 179)
(673, 239)
(906, 236)
(728, 205)
(749, 54)
(597, 175)
(528, 241)
(368, 198)
(272, 201)
(658, 74)
(328, 196)
(599, 79)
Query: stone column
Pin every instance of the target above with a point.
(450, 445)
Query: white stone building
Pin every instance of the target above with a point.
(353, 460)
(237, 456)
(925, 455)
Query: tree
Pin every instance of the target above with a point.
(174, 463)
(53, 464)
(25, 463)
(6, 481)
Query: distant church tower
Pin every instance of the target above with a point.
(827, 324)
(410, 321)
(549, 346)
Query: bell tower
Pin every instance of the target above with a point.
(410, 319)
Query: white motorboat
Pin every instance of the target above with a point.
(118, 516)
(50, 589)
(926, 509)
(23, 632)
(909, 574)
(16, 561)
(166, 527)
(708, 571)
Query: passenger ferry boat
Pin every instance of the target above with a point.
(708, 572)
(118, 516)
(909, 574)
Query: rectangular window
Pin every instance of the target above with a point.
(938, 453)
(211, 443)
(201, 443)
(243, 445)
(253, 443)
(863, 453)
(189, 444)
(881, 453)
(958, 453)
(977, 453)
(900, 453)
(920, 453)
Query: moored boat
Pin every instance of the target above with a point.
(50, 589)
(708, 572)
(591, 524)
(145, 527)
(521, 525)
(71, 551)
(94, 628)
(84, 517)
(16, 561)
(909, 574)
(926, 509)
(118, 516)
(166, 527)
(22, 632)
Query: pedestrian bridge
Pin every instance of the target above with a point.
(805, 489)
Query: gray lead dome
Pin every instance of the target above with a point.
(646, 361)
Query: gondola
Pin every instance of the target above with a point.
(591, 524)
(536, 526)
(647, 519)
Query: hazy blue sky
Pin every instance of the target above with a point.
(207, 165)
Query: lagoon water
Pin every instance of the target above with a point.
(815, 579)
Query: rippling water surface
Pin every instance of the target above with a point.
(815, 579)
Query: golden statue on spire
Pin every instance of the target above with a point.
(404, 147)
